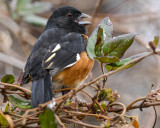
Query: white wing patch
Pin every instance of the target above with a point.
(77, 58)
(56, 48)
(70, 65)
(53, 55)
(49, 65)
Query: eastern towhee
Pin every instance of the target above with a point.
(59, 57)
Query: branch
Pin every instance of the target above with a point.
(135, 101)
(87, 114)
(102, 110)
(80, 123)
(121, 115)
(59, 121)
(123, 107)
(12, 61)
(16, 86)
(24, 118)
(98, 4)
(145, 105)
(27, 123)
(16, 30)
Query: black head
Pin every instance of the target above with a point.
(68, 18)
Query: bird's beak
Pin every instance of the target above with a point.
(82, 16)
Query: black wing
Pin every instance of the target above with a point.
(64, 54)
(33, 67)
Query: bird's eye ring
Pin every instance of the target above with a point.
(69, 15)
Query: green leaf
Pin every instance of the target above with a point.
(7, 107)
(3, 121)
(47, 119)
(22, 4)
(107, 27)
(8, 79)
(39, 7)
(156, 40)
(107, 59)
(26, 7)
(114, 66)
(35, 20)
(103, 104)
(68, 102)
(105, 93)
(19, 103)
(118, 45)
(99, 43)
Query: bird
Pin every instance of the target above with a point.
(58, 58)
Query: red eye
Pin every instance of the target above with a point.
(69, 15)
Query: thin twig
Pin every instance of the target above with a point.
(64, 89)
(123, 106)
(24, 119)
(121, 115)
(15, 29)
(27, 123)
(102, 110)
(18, 120)
(80, 123)
(145, 105)
(60, 104)
(59, 121)
(59, 98)
(88, 114)
(12, 61)
(98, 4)
(16, 86)
(74, 117)
(135, 101)
(93, 87)
(104, 79)
(87, 94)
(15, 92)
(13, 114)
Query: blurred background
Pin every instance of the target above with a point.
(22, 21)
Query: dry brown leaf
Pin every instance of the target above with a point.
(135, 122)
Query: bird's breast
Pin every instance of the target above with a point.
(76, 74)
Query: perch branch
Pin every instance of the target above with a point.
(16, 86)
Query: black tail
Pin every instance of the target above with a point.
(41, 91)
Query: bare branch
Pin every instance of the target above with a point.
(16, 86)
(12, 61)
(80, 123)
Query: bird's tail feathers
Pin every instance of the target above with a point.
(41, 91)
